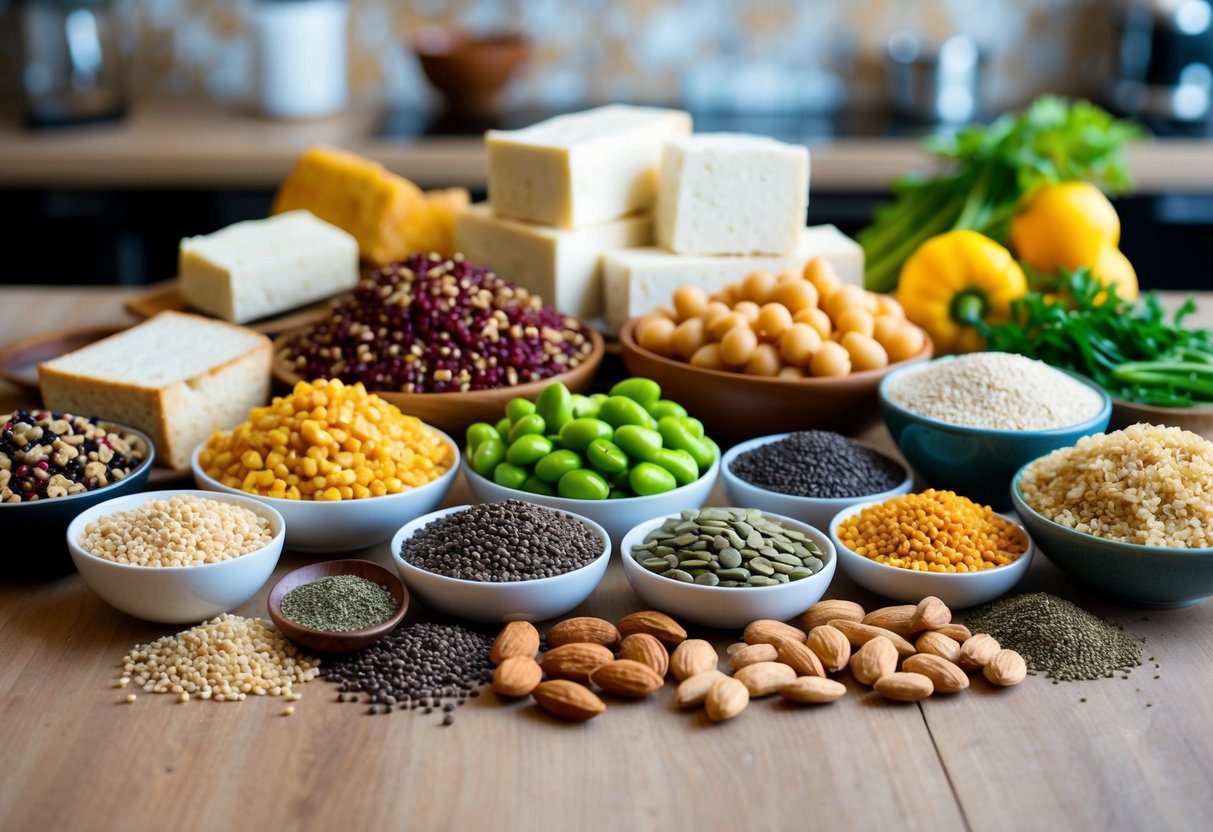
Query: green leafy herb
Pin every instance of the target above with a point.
(988, 170)
(1130, 349)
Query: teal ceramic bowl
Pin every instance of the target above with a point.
(977, 463)
(1140, 576)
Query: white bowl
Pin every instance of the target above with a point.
(616, 516)
(176, 594)
(957, 590)
(728, 607)
(345, 525)
(816, 511)
(497, 602)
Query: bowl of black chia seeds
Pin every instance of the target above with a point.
(53, 466)
(503, 561)
(810, 474)
(726, 567)
(338, 606)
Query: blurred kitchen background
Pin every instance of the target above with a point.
(128, 124)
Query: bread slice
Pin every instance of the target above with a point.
(177, 377)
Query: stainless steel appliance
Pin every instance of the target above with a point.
(1166, 61)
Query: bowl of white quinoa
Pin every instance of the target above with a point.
(967, 423)
(1128, 513)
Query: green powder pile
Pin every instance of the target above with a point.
(338, 604)
(1056, 637)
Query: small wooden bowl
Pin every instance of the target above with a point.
(735, 406)
(453, 412)
(470, 72)
(347, 642)
(1198, 419)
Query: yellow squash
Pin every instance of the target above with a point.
(953, 281)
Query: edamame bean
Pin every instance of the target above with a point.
(510, 476)
(478, 432)
(534, 485)
(663, 408)
(638, 442)
(620, 410)
(519, 407)
(678, 462)
(647, 479)
(555, 404)
(528, 424)
(579, 433)
(487, 455)
(676, 434)
(527, 450)
(584, 406)
(558, 463)
(606, 457)
(503, 428)
(583, 484)
(643, 391)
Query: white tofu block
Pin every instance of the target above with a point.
(580, 169)
(638, 280)
(262, 267)
(561, 266)
(724, 193)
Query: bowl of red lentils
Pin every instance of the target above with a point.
(54, 466)
(176, 557)
(931, 543)
(343, 466)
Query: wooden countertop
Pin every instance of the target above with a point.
(168, 144)
(1110, 754)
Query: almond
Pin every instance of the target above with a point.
(860, 634)
(977, 651)
(896, 619)
(657, 624)
(957, 632)
(812, 689)
(905, 687)
(824, 611)
(727, 698)
(625, 677)
(831, 646)
(752, 654)
(874, 660)
(644, 648)
(800, 658)
(692, 657)
(944, 675)
(735, 646)
(694, 689)
(584, 629)
(930, 614)
(518, 638)
(764, 678)
(939, 645)
(575, 661)
(516, 676)
(568, 700)
(768, 631)
(1006, 668)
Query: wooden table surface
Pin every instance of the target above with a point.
(1130, 754)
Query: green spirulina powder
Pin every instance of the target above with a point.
(1056, 637)
(338, 604)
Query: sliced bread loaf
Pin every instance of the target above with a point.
(177, 377)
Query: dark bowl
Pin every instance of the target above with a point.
(37, 532)
(347, 642)
(469, 71)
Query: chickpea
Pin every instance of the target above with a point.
(790, 371)
(799, 343)
(725, 323)
(689, 301)
(820, 272)
(846, 297)
(905, 343)
(764, 362)
(795, 295)
(689, 336)
(787, 274)
(655, 334)
(714, 311)
(889, 305)
(865, 352)
(855, 320)
(885, 327)
(817, 319)
(728, 295)
(747, 309)
(831, 360)
(707, 357)
(738, 345)
(774, 320)
(757, 286)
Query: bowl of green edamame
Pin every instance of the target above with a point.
(616, 458)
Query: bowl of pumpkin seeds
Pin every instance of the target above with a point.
(725, 567)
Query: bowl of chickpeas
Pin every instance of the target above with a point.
(775, 353)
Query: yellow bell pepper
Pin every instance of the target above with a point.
(953, 281)
(1071, 225)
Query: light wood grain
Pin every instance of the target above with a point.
(1032, 757)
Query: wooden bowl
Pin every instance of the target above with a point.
(1198, 419)
(347, 642)
(734, 407)
(470, 72)
(453, 412)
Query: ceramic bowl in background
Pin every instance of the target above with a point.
(1140, 576)
(470, 71)
(734, 406)
(727, 607)
(176, 594)
(36, 529)
(342, 642)
(344, 525)
(816, 511)
(497, 602)
(977, 463)
(956, 589)
(1198, 418)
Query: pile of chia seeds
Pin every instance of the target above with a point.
(818, 463)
